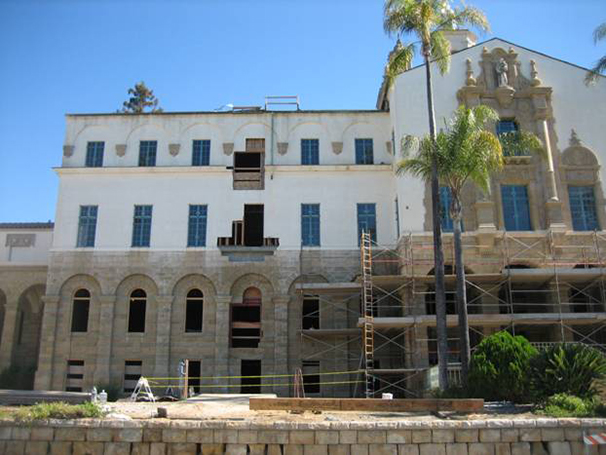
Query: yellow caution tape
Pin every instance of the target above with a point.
(256, 377)
(254, 385)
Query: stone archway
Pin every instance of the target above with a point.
(2, 311)
(26, 345)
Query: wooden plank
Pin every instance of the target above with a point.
(365, 404)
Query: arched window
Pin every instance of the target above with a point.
(246, 320)
(81, 306)
(194, 311)
(136, 313)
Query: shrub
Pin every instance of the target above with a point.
(567, 368)
(499, 367)
(564, 405)
(18, 377)
(114, 391)
(58, 410)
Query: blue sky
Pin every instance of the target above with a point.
(76, 56)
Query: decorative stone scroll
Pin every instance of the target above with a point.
(228, 148)
(20, 240)
(337, 147)
(68, 150)
(120, 149)
(282, 148)
(173, 149)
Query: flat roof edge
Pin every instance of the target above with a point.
(249, 112)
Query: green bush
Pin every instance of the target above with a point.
(18, 377)
(58, 410)
(567, 368)
(114, 391)
(564, 405)
(499, 368)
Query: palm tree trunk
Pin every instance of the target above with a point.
(438, 254)
(461, 293)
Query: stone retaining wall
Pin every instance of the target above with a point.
(179, 437)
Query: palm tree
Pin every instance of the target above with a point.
(600, 67)
(466, 151)
(426, 19)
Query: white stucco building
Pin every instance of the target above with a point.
(232, 238)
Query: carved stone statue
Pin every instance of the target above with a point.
(502, 68)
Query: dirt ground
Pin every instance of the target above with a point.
(235, 408)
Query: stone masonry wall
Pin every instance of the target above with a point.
(164, 437)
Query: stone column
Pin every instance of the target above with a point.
(8, 330)
(104, 339)
(221, 363)
(163, 308)
(281, 342)
(44, 374)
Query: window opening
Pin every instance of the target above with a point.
(75, 376)
(250, 385)
(253, 225)
(137, 309)
(80, 311)
(194, 311)
(311, 313)
(132, 373)
(246, 320)
(194, 371)
(311, 376)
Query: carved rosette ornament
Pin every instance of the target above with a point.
(337, 147)
(228, 148)
(282, 148)
(120, 149)
(173, 149)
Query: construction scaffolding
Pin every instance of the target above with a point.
(548, 286)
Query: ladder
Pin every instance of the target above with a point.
(368, 328)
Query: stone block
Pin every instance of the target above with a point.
(182, 448)
(173, 435)
(225, 436)
(510, 435)
(247, 437)
(327, 437)
(409, 449)
(552, 434)
(70, 434)
(41, 448)
(456, 449)
(490, 435)
(372, 437)
(421, 436)
(338, 449)
(399, 436)
(235, 449)
(530, 434)
(301, 437)
(272, 437)
(152, 434)
(15, 448)
(99, 434)
(520, 448)
(88, 448)
(578, 448)
(274, 449)
(442, 436)
(117, 448)
(212, 449)
(5, 433)
(537, 448)
(140, 448)
(467, 435)
(156, 448)
(257, 449)
(292, 449)
(558, 448)
(383, 449)
(129, 435)
(502, 448)
(348, 437)
(200, 436)
(60, 448)
(316, 449)
(481, 448)
(42, 434)
(358, 449)
(432, 449)
(573, 434)
(21, 433)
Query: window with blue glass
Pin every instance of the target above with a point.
(367, 220)
(509, 127)
(516, 212)
(147, 153)
(445, 201)
(196, 230)
(142, 225)
(201, 153)
(583, 208)
(94, 154)
(87, 226)
(364, 151)
(310, 224)
(310, 151)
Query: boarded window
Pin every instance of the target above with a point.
(137, 309)
(80, 311)
(194, 310)
(311, 313)
(311, 376)
(246, 320)
(132, 373)
(75, 375)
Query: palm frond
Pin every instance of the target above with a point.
(599, 33)
(470, 17)
(594, 73)
(399, 61)
(440, 51)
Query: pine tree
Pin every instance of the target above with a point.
(141, 98)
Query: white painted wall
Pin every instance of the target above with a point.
(20, 256)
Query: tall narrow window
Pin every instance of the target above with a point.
(147, 153)
(310, 151)
(132, 372)
(516, 212)
(75, 376)
(445, 200)
(196, 228)
(136, 311)
(310, 224)
(582, 208)
(311, 376)
(87, 226)
(507, 130)
(201, 153)
(94, 154)
(194, 311)
(142, 225)
(367, 220)
(80, 311)
(246, 320)
(310, 313)
(364, 151)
